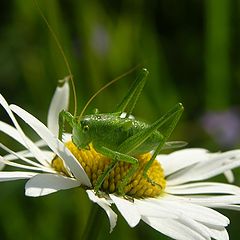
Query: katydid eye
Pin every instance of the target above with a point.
(85, 128)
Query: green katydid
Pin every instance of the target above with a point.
(122, 138)
(114, 136)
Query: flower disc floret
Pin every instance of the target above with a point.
(95, 163)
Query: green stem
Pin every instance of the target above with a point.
(218, 64)
(94, 224)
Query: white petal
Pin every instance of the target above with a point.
(43, 184)
(229, 176)
(230, 207)
(196, 226)
(208, 201)
(12, 132)
(214, 165)
(9, 157)
(218, 234)
(20, 156)
(2, 165)
(66, 138)
(10, 176)
(28, 143)
(148, 208)
(156, 210)
(218, 201)
(193, 211)
(181, 159)
(40, 143)
(18, 165)
(127, 209)
(103, 203)
(54, 143)
(173, 228)
(59, 102)
(203, 188)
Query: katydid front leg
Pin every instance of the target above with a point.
(63, 117)
(115, 157)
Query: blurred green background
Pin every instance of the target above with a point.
(191, 49)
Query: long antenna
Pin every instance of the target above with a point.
(62, 53)
(105, 86)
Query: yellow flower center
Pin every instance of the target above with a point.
(94, 164)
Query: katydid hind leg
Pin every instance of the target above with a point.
(134, 92)
(115, 158)
(166, 129)
(168, 121)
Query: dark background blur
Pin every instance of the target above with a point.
(191, 49)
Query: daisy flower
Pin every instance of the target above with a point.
(181, 205)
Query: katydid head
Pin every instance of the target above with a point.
(81, 134)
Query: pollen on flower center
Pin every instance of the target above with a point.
(94, 164)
